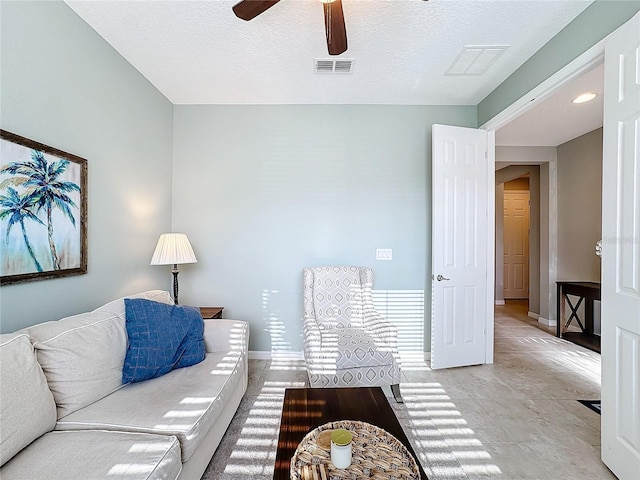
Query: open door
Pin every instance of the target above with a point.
(462, 224)
(621, 254)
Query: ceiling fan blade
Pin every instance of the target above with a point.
(335, 28)
(248, 9)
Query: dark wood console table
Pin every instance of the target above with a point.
(586, 292)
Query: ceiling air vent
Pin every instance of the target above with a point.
(324, 65)
(475, 59)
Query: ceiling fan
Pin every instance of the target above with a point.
(333, 20)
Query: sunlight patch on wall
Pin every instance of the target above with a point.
(280, 346)
(405, 310)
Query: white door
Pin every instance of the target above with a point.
(516, 244)
(459, 239)
(621, 254)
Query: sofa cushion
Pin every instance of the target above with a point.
(82, 356)
(89, 455)
(27, 409)
(161, 338)
(117, 306)
(356, 348)
(184, 402)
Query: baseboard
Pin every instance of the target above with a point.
(259, 355)
(547, 322)
(414, 358)
(533, 315)
(270, 355)
(500, 302)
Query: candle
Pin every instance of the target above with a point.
(341, 448)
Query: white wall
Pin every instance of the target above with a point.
(63, 86)
(506, 155)
(263, 191)
(580, 207)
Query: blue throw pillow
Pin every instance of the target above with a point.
(162, 337)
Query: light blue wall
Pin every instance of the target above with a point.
(63, 86)
(597, 21)
(263, 191)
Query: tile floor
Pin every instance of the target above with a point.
(515, 419)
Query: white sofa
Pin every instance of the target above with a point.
(66, 415)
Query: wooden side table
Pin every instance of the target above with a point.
(211, 312)
(586, 292)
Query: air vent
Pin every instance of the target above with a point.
(475, 60)
(327, 65)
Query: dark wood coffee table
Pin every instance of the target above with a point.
(307, 408)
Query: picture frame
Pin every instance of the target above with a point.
(43, 211)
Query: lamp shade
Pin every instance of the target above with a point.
(173, 249)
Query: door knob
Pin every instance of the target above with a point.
(441, 278)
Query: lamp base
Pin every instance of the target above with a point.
(175, 272)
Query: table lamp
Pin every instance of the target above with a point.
(173, 249)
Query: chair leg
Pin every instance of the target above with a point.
(395, 389)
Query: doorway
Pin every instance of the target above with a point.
(619, 403)
(542, 139)
(518, 179)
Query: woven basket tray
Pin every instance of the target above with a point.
(375, 454)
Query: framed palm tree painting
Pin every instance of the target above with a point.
(43, 211)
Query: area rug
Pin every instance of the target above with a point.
(592, 404)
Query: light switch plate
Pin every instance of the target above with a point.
(384, 254)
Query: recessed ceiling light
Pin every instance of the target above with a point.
(584, 97)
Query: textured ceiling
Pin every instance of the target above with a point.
(198, 52)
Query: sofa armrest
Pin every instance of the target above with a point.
(226, 335)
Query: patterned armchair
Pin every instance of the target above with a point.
(346, 342)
